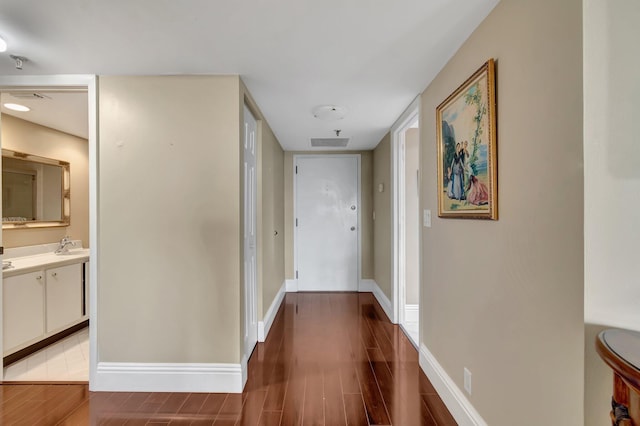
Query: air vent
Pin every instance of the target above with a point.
(329, 142)
(29, 95)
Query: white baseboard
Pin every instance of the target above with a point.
(164, 377)
(265, 325)
(383, 300)
(460, 407)
(292, 286)
(412, 313)
(366, 285)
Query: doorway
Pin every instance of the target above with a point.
(327, 217)
(65, 337)
(406, 162)
(250, 223)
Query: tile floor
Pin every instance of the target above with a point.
(66, 360)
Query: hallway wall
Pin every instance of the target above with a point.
(169, 219)
(366, 227)
(382, 227)
(505, 298)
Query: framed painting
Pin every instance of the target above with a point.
(466, 138)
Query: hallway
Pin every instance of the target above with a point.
(329, 359)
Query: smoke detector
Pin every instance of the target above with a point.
(329, 112)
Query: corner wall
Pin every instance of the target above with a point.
(169, 209)
(505, 298)
(23, 136)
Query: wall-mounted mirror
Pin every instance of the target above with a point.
(35, 191)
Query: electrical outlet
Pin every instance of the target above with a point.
(467, 380)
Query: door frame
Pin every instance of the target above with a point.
(409, 116)
(358, 158)
(254, 306)
(90, 82)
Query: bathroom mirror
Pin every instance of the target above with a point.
(35, 191)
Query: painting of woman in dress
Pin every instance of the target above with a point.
(478, 193)
(467, 172)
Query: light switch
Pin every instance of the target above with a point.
(426, 219)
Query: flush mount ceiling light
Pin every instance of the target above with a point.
(17, 107)
(3, 45)
(329, 112)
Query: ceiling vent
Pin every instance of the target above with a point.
(29, 95)
(329, 142)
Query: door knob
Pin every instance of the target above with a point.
(353, 207)
(353, 228)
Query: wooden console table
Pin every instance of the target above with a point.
(620, 349)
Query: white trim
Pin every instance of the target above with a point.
(295, 204)
(291, 286)
(164, 377)
(90, 82)
(366, 285)
(460, 407)
(383, 300)
(411, 313)
(410, 114)
(244, 370)
(265, 325)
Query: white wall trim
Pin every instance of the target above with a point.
(291, 286)
(244, 370)
(366, 285)
(89, 81)
(164, 377)
(265, 325)
(383, 300)
(411, 313)
(460, 407)
(410, 114)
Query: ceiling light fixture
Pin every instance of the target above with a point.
(329, 112)
(17, 107)
(3, 45)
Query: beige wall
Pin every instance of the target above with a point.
(382, 238)
(505, 298)
(366, 209)
(23, 136)
(169, 209)
(412, 215)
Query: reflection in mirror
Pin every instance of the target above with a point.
(35, 191)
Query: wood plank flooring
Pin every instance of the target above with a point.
(330, 359)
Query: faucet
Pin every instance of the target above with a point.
(63, 245)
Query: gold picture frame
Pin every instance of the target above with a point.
(467, 158)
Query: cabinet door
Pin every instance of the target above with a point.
(23, 309)
(64, 296)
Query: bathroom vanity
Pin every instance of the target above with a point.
(45, 297)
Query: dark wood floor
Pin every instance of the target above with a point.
(330, 359)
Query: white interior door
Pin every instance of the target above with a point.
(327, 210)
(250, 259)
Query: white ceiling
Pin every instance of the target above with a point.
(371, 56)
(64, 111)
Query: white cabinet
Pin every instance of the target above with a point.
(37, 305)
(23, 309)
(64, 297)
